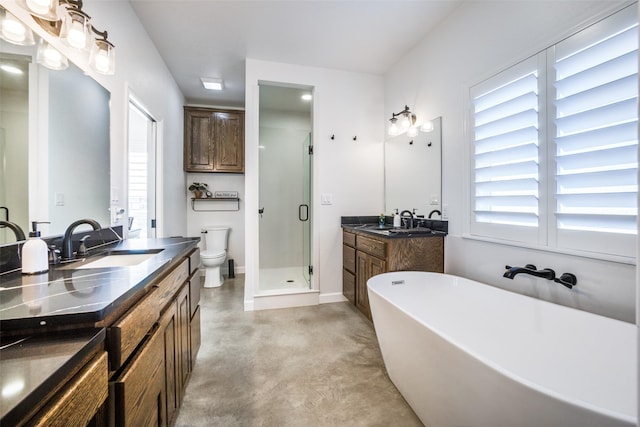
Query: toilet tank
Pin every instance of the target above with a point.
(216, 238)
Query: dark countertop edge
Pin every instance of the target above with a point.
(90, 318)
(385, 234)
(33, 399)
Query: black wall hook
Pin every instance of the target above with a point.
(332, 137)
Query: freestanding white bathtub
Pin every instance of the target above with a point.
(463, 353)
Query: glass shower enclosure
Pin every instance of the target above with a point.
(285, 163)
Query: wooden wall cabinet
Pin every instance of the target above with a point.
(213, 140)
(364, 256)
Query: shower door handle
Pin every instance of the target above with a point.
(306, 212)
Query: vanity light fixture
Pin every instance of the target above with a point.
(14, 31)
(211, 84)
(66, 20)
(407, 119)
(427, 126)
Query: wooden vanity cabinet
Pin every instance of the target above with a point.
(364, 256)
(80, 399)
(149, 387)
(213, 140)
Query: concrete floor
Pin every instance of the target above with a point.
(307, 366)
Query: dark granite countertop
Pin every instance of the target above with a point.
(65, 296)
(30, 367)
(369, 225)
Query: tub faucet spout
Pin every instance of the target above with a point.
(545, 273)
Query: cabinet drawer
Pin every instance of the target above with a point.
(349, 258)
(169, 286)
(139, 392)
(194, 260)
(348, 238)
(124, 336)
(80, 399)
(371, 246)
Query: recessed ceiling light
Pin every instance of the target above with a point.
(307, 97)
(211, 84)
(10, 69)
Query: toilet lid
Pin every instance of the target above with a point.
(213, 254)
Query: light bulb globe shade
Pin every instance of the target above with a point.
(14, 31)
(45, 9)
(102, 57)
(50, 57)
(405, 121)
(393, 129)
(76, 29)
(413, 131)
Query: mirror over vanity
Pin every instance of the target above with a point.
(54, 144)
(413, 171)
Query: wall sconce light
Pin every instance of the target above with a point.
(407, 120)
(66, 20)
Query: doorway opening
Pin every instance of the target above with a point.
(141, 170)
(285, 193)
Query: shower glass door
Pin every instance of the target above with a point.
(307, 166)
(285, 178)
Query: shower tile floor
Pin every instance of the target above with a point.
(314, 366)
(282, 278)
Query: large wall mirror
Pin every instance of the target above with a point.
(54, 144)
(413, 171)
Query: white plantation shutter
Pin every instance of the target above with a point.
(506, 153)
(591, 107)
(596, 137)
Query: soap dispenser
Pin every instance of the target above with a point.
(35, 253)
(396, 220)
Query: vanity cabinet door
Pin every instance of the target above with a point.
(169, 332)
(139, 391)
(367, 266)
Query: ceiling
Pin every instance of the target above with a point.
(212, 38)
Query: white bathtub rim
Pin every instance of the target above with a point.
(630, 416)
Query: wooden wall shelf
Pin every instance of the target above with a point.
(229, 200)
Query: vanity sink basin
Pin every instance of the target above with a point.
(120, 258)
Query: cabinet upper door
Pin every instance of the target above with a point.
(213, 140)
(198, 141)
(229, 142)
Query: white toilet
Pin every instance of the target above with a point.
(214, 255)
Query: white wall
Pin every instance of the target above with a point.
(197, 221)
(345, 105)
(476, 40)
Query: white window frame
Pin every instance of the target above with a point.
(547, 236)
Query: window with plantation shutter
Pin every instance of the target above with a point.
(554, 144)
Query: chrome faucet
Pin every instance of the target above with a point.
(15, 228)
(67, 241)
(408, 221)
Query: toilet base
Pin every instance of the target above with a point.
(213, 277)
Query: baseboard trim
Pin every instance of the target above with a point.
(328, 298)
